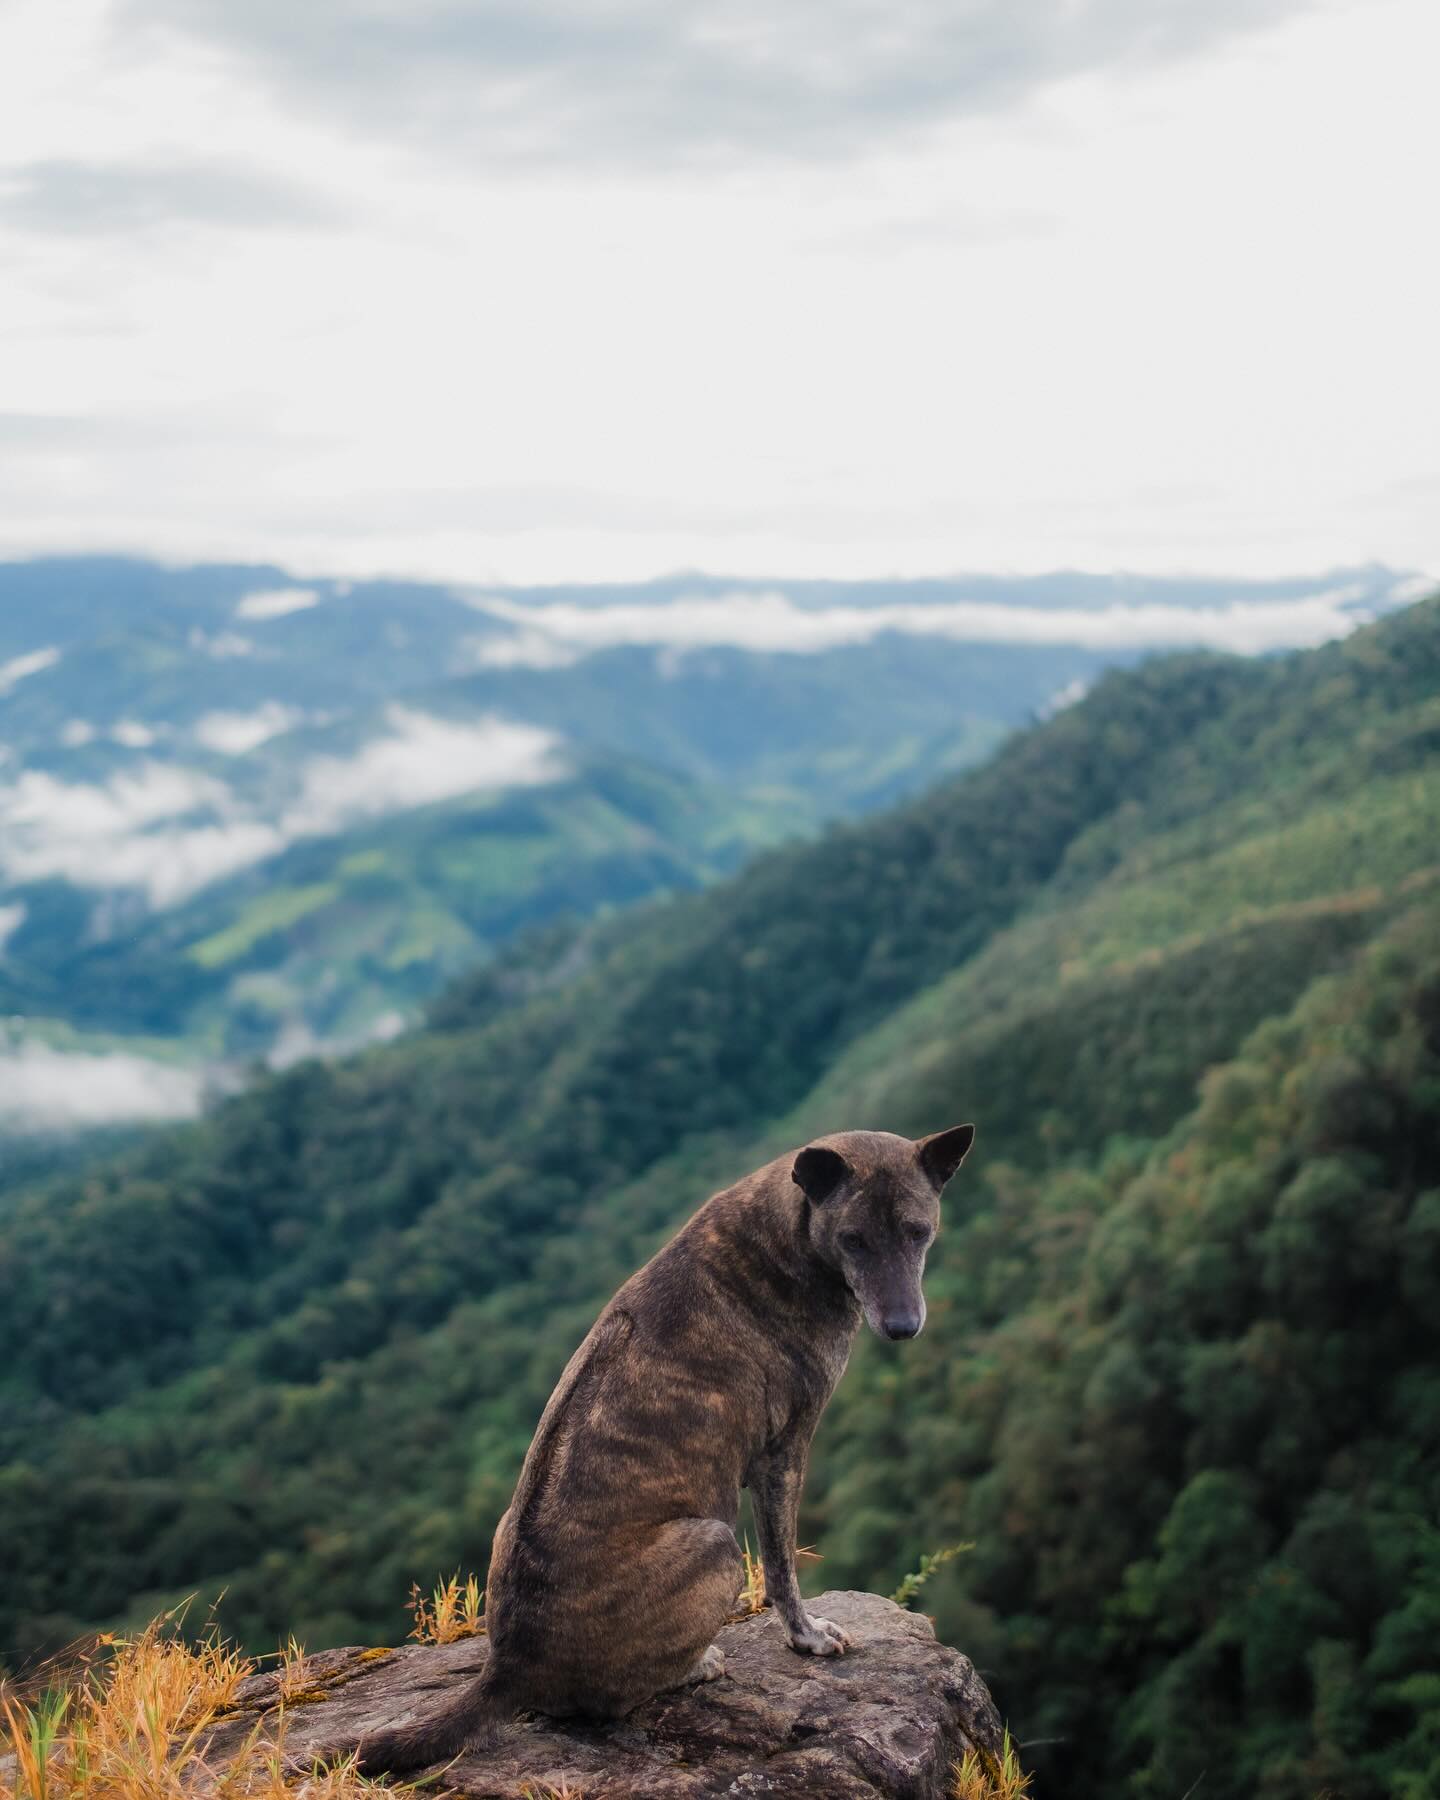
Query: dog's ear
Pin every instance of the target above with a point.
(942, 1154)
(818, 1172)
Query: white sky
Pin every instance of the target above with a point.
(1170, 312)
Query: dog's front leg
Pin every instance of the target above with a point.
(775, 1489)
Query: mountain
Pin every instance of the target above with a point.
(244, 816)
(1177, 951)
(342, 936)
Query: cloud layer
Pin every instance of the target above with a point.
(32, 663)
(419, 760)
(276, 603)
(169, 830)
(773, 622)
(45, 1089)
(161, 828)
(233, 733)
(11, 919)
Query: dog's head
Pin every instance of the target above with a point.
(873, 1211)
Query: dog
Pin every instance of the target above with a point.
(617, 1561)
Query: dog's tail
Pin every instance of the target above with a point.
(471, 1720)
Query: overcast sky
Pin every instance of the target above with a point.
(604, 288)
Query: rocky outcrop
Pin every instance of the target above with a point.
(887, 1719)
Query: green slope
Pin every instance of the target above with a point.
(1177, 1379)
(339, 934)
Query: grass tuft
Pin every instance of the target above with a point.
(751, 1598)
(452, 1612)
(979, 1775)
(295, 1685)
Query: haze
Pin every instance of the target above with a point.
(560, 292)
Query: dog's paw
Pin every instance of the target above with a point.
(710, 1667)
(818, 1637)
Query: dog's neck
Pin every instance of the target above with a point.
(754, 1237)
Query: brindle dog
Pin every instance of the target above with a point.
(617, 1561)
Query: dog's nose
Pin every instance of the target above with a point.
(900, 1325)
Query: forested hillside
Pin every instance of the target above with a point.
(1177, 952)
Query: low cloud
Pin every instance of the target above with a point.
(173, 863)
(421, 759)
(129, 831)
(773, 622)
(518, 650)
(222, 645)
(1065, 697)
(11, 919)
(298, 1043)
(170, 831)
(275, 603)
(45, 1089)
(132, 734)
(30, 664)
(1411, 588)
(96, 810)
(233, 733)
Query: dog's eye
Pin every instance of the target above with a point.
(918, 1234)
(851, 1242)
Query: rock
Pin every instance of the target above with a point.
(887, 1719)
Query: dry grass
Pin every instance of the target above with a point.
(452, 1611)
(981, 1776)
(267, 1776)
(752, 1594)
(125, 1718)
(546, 1792)
(295, 1687)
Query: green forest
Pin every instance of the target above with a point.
(1176, 951)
